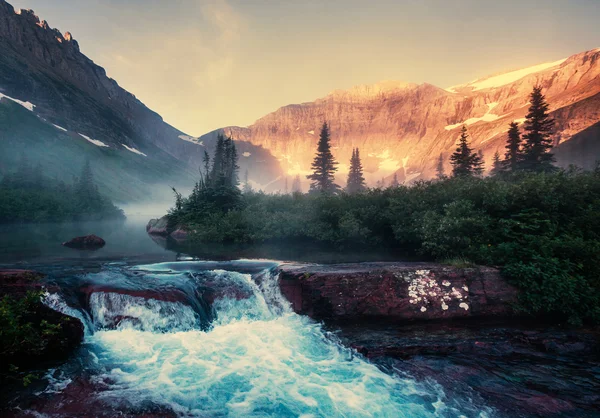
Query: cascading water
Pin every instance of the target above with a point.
(257, 358)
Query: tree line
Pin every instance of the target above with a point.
(527, 152)
(28, 195)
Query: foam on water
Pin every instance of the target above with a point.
(110, 310)
(257, 359)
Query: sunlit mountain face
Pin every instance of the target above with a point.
(403, 128)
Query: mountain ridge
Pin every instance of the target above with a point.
(405, 130)
(46, 68)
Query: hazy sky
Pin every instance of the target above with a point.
(204, 64)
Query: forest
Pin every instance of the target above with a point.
(537, 223)
(27, 195)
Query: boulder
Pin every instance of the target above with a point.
(88, 242)
(408, 291)
(157, 226)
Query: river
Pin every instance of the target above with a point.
(171, 335)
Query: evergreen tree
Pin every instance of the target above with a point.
(323, 166)
(296, 185)
(394, 182)
(464, 161)
(217, 174)
(231, 168)
(246, 188)
(285, 186)
(537, 140)
(513, 157)
(479, 164)
(497, 165)
(439, 169)
(206, 162)
(356, 180)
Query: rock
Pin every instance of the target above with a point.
(157, 226)
(179, 234)
(408, 291)
(66, 332)
(88, 242)
(160, 227)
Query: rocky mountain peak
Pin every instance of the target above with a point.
(369, 91)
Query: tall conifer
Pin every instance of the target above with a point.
(538, 129)
(323, 166)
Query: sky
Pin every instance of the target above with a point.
(206, 64)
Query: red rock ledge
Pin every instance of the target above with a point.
(408, 291)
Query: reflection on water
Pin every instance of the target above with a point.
(41, 243)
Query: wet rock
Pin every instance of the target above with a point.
(88, 242)
(409, 291)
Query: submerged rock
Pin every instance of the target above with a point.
(410, 291)
(88, 242)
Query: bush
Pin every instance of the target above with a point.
(541, 229)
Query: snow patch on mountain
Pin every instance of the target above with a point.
(488, 117)
(135, 151)
(246, 154)
(191, 139)
(510, 77)
(94, 141)
(520, 120)
(27, 105)
(59, 127)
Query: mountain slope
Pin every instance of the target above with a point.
(46, 70)
(403, 127)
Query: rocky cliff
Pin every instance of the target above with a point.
(403, 127)
(44, 71)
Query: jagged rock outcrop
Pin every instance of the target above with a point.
(403, 127)
(399, 291)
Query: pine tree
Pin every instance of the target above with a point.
(285, 187)
(537, 140)
(479, 164)
(439, 169)
(513, 157)
(497, 165)
(206, 162)
(356, 180)
(246, 188)
(231, 168)
(216, 173)
(394, 182)
(323, 166)
(296, 185)
(465, 162)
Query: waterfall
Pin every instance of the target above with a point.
(257, 358)
(117, 311)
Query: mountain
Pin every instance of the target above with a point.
(403, 128)
(58, 108)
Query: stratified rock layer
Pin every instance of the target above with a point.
(407, 291)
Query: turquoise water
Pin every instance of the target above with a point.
(257, 358)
